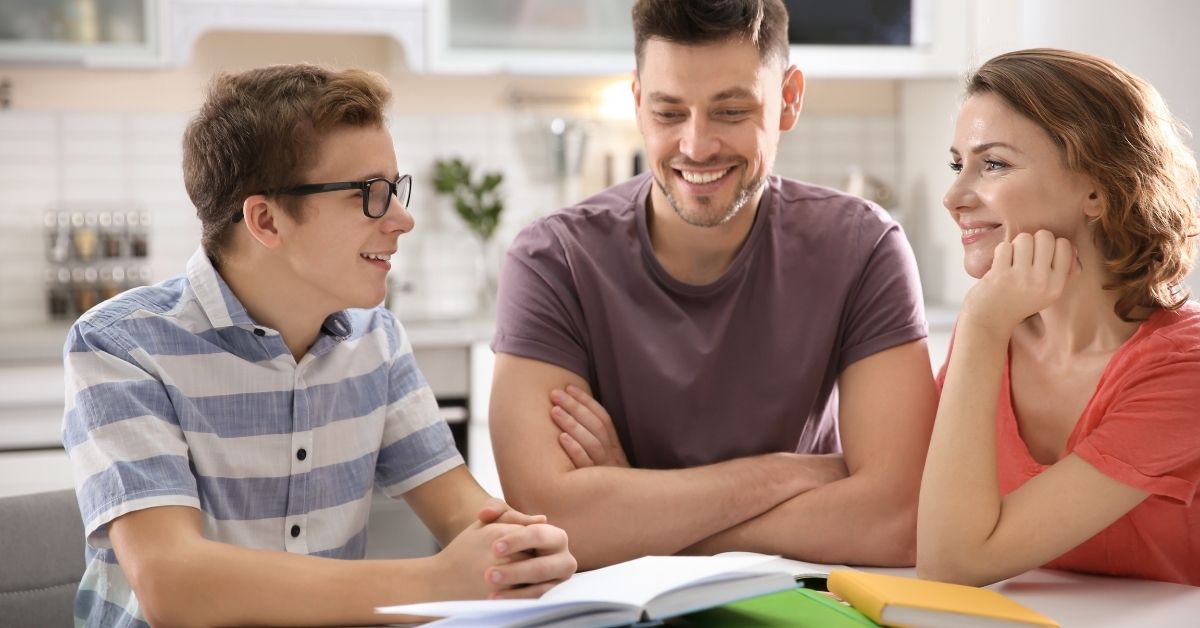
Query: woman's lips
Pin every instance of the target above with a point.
(974, 233)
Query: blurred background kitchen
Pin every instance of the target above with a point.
(532, 94)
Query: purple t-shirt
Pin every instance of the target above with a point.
(744, 365)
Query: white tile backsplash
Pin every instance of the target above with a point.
(103, 161)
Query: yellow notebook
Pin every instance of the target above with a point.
(914, 603)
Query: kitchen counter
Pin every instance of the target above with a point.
(43, 342)
(31, 374)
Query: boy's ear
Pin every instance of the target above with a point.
(260, 216)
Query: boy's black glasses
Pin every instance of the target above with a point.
(377, 193)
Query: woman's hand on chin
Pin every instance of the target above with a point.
(1027, 275)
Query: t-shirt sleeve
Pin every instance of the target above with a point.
(417, 445)
(1149, 438)
(121, 432)
(885, 307)
(538, 311)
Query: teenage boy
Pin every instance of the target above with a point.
(226, 427)
(672, 351)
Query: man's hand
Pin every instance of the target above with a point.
(587, 436)
(503, 560)
(1027, 276)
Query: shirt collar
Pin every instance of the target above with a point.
(223, 308)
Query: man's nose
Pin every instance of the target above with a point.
(699, 143)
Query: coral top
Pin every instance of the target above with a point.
(1142, 428)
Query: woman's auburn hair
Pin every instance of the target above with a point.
(1115, 128)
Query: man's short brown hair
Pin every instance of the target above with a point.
(694, 22)
(260, 130)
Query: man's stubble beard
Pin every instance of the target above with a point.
(745, 193)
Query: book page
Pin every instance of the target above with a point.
(631, 584)
(638, 581)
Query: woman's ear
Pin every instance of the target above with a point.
(1093, 205)
(260, 215)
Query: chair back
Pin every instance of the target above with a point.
(41, 559)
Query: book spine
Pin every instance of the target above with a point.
(846, 586)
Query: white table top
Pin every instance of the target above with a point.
(1079, 600)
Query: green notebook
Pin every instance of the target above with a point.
(796, 608)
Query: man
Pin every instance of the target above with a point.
(226, 426)
(690, 331)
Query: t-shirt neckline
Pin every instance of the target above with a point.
(740, 261)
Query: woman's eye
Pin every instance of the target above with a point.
(955, 167)
(992, 164)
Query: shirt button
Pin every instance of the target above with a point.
(295, 531)
(301, 454)
(259, 332)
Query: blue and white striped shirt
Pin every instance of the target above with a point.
(175, 397)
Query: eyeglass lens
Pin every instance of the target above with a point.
(380, 197)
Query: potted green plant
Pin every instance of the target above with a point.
(479, 203)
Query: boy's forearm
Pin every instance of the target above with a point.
(212, 584)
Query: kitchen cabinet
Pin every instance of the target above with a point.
(587, 37)
(187, 20)
(82, 32)
(156, 33)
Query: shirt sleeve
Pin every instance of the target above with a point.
(1149, 436)
(885, 308)
(121, 432)
(538, 312)
(417, 445)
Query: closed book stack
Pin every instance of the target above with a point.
(914, 603)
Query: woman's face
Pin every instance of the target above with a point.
(1011, 178)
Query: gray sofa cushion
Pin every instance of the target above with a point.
(41, 558)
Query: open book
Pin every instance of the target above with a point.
(649, 588)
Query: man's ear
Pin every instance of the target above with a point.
(636, 87)
(793, 98)
(260, 215)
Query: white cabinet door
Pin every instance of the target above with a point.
(102, 33)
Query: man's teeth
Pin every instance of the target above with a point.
(702, 177)
(379, 257)
(976, 231)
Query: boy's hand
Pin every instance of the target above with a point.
(531, 560)
(496, 511)
(506, 554)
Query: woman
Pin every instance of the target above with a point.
(1068, 431)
